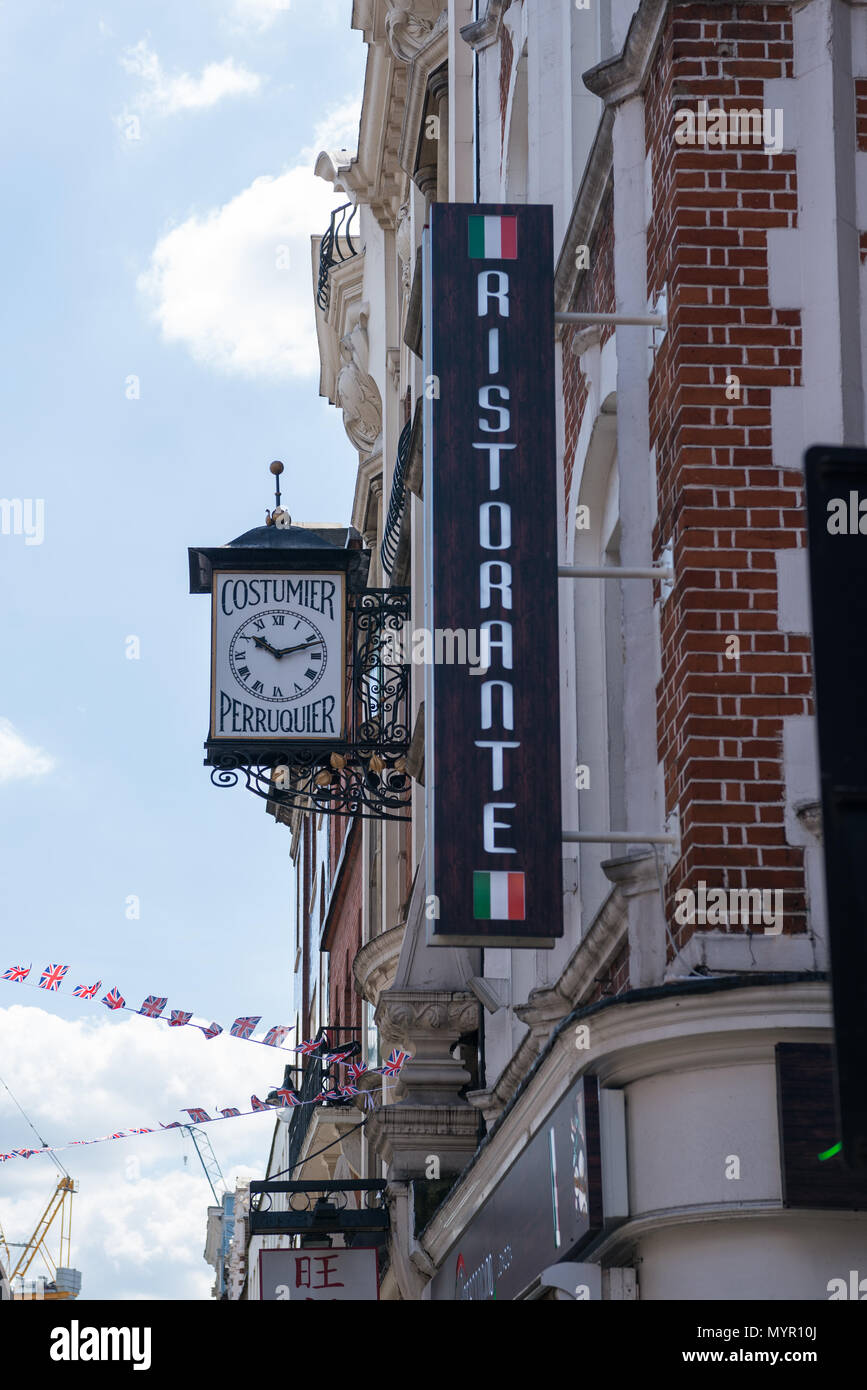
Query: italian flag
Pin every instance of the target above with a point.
(498, 897)
(493, 238)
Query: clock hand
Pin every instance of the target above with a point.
(302, 646)
(263, 642)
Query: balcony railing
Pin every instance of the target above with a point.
(317, 1077)
(330, 251)
(397, 502)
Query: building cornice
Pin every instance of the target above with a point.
(619, 78)
(546, 1007)
(375, 965)
(373, 175)
(429, 57)
(485, 30)
(645, 1032)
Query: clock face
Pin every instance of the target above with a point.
(278, 656)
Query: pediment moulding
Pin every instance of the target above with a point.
(373, 175)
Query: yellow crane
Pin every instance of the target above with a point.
(63, 1281)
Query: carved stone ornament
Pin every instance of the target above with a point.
(357, 392)
(403, 243)
(406, 32)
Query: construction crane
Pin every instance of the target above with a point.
(63, 1282)
(208, 1160)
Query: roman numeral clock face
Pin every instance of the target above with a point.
(278, 656)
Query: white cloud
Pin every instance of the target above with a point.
(235, 285)
(262, 13)
(140, 1214)
(338, 129)
(167, 95)
(19, 759)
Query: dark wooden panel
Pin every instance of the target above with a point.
(459, 486)
(836, 491)
(808, 1127)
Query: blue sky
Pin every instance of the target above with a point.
(158, 351)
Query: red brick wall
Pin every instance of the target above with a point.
(507, 50)
(344, 943)
(728, 509)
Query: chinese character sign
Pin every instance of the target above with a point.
(321, 1276)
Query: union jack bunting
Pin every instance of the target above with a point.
(3, 1157)
(141, 1131)
(312, 1046)
(229, 1114)
(87, 991)
(175, 1124)
(17, 973)
(288, 1097)
(213, 1032)
(198, 1117)
(349, 1090)
(243, 1027)
(394, 1063)
(114, 999)
(121, 1134)
(153, 1006)
(355, 1070)
(179, 1018)
(257, 1104)
(345, 1052)
(275, 1035)
(52, 977)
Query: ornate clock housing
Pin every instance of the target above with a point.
(304, 704)
(278, 669)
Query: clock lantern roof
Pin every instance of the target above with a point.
(278, 545)
(283, 548)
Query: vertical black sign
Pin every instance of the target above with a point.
(811, 1166)
(837, 518)
(492, 747)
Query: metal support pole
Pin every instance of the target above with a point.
(616, 837)
(641, 320)
(612, 572)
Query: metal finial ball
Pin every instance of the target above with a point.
(277, 467)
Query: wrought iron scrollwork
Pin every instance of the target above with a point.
(331, 252)
(397, 502)
(365, 774)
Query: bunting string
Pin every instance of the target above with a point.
(154, 1007)
(285, 1097)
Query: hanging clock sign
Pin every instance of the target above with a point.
(278, 655)
(279, 638)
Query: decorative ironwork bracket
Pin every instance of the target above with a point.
(320, 1208)
(365, 774)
